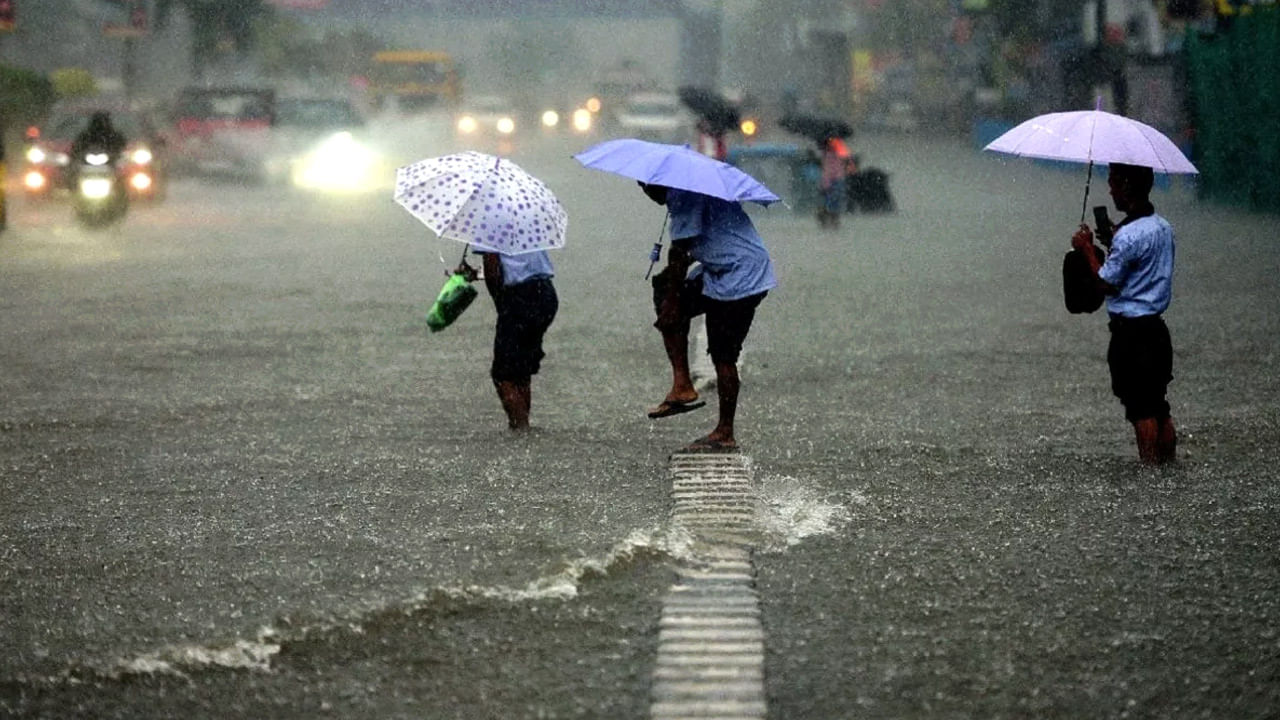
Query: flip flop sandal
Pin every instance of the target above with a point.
(669, 408)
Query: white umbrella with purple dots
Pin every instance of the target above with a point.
(485, 201)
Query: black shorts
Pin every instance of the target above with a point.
(728, 321)
(525, 311)
(1141, 360)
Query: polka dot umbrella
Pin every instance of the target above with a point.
(486, 201)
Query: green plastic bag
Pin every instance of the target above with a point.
(454, 297)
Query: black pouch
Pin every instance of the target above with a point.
(1080, 289)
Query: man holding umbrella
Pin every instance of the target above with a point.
(734, 274)
(1136, 278)
(703, 197)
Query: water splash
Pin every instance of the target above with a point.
(791, 511)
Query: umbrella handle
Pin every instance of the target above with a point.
(1088, 178)
(656, 253)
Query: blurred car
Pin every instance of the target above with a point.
(487, 117)
(222, 130)
(659, 117)
(46, 158)
(318, 143)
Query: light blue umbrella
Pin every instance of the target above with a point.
(675, 166)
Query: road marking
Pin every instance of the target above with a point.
(710, 639)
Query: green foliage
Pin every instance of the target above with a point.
(1236, 100)
(285, 48)
(25, 96)
(218, 26)
(73, 83)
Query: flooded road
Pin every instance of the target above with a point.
(242, 479)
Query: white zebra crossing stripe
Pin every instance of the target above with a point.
(710, 639)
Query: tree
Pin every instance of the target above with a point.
(217, 26)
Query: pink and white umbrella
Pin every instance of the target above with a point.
(1094, 136)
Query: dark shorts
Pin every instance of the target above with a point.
(728, 321)
(1141, 360)
(525, 311)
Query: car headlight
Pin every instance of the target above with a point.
(749, 127)
(36, 154)
(338, 163)
(35, 180)
(140, 181)
(582, 120)
(506, 125)
(141, 156)
(466, 125)
(550, 118)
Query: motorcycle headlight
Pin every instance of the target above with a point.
(95, 188)
(141, 156)
(506, 125)
(466, 124)
(550, 118)
(582, 120)
(36, 154)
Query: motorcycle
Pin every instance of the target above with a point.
(99, 193)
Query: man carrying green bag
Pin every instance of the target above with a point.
(510, 218)
(526, 301)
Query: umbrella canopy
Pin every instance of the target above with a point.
(818, 129)
(677, 166)
(714, 109)
(1094, 136)
(482, 200)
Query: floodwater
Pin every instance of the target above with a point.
(243, 480)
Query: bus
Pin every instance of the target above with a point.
(414, 79)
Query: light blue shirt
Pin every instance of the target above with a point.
(719, 235)
(1140, 267)
(525, 266)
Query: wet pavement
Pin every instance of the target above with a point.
(242, 479)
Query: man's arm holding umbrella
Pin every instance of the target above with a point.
(492, 265)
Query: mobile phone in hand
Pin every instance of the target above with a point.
(1102, 225)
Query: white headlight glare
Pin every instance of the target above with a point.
(339, 163)
(466, 124)
(141, 156)
(36, 154)
(550, 118)
(506, 125)
(95, 188)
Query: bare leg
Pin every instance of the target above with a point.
(515, 403)
(727, 384)
(676, 342)
(1147, 431)
(1167, 440)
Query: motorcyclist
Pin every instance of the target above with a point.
(100, 135)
